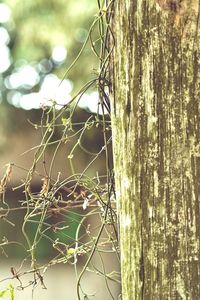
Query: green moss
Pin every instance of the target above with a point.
(155, 118)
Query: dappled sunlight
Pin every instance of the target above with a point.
(49, 92)
(25, 76)
(5, 58)
(59, 54)
(92, 103)
(5, 13)
(31, 84)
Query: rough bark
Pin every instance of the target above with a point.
(156, 140)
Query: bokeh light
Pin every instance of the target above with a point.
(5, 13)
(59, 54)
(5, 60)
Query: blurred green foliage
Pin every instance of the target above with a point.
(38, 26)
(35, 28)
(42, 25)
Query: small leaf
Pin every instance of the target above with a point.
(71, 251)
(11, 288)
(64, 121)
(2, 293)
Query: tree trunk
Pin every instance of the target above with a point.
(156, 140)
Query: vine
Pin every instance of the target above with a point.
(77, 197)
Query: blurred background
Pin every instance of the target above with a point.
(38, 42)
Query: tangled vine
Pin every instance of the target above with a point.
(76, 198)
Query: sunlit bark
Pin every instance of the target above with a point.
(155, 76)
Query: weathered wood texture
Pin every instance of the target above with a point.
(155, 74)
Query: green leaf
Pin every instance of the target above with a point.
(2, 293)
(11, 289)
(64, 121)
(71, 251)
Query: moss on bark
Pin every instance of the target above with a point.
(156, 140)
